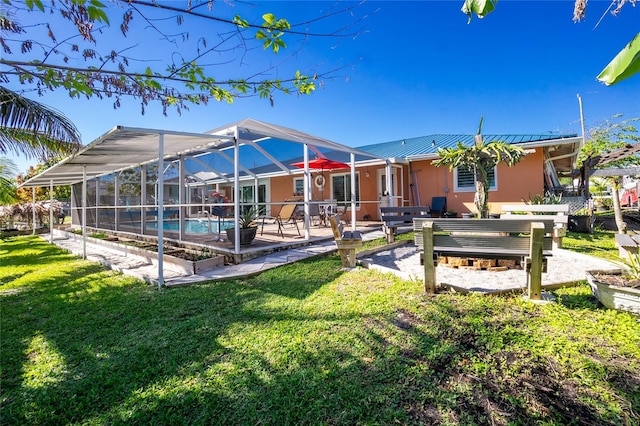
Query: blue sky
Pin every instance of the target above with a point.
(417, 68)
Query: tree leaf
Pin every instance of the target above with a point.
(625, 64)
(480, 7)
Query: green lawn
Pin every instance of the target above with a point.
(301, 344)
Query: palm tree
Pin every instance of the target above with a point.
(8, 172)
(480, 158)
(32, 129)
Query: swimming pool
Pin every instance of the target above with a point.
(194, 226)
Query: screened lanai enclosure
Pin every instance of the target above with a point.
(191, 187)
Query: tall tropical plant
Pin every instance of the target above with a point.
(8, 171)
(34, 130)
(480, 158)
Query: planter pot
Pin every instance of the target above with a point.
(246, 235)
(580, 224)
(467, 215)
(613, 297)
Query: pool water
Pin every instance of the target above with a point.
(194, 226)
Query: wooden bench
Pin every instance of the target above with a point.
(526, 240)
(392, 217)
(627, 245)
(347, 241)
(559, 213)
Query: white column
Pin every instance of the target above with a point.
(160, 201)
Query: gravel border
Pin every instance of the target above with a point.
(563, 268)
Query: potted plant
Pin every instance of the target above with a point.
(248, 227)
(449, 214)
(580, 221)
(618, 289)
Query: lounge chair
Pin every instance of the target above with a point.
(287, 217)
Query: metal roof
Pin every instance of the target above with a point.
(124, 148)
(427, 146)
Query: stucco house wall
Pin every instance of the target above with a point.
(514, 184)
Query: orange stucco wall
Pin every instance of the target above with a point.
(515, 184)
(282, 189)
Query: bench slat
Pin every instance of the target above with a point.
(480, 242)
(398, 210)
(481, 225)
(403, 218)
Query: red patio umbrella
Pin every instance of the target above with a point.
(323, 164)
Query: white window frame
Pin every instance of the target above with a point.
(295, 188)
(472, 188)
(358, 192)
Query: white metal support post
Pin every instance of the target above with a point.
(51, 211)
(160, 202)
(33, 211)
(236, 191)
(143, 199)
(116, 201)
(182, 188)
(84, 211)
(307, 193)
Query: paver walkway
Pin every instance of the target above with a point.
(140, 268)
(402, 260)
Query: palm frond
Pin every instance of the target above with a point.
(8, 172)
(30, 128)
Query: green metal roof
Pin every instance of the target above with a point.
(425, 145)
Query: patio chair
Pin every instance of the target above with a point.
(315, 213)
(438, 206)
(287, 217)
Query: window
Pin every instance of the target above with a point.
(464, 180)
(298, 186)
(341, 188)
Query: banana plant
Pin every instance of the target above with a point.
(480, 158)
